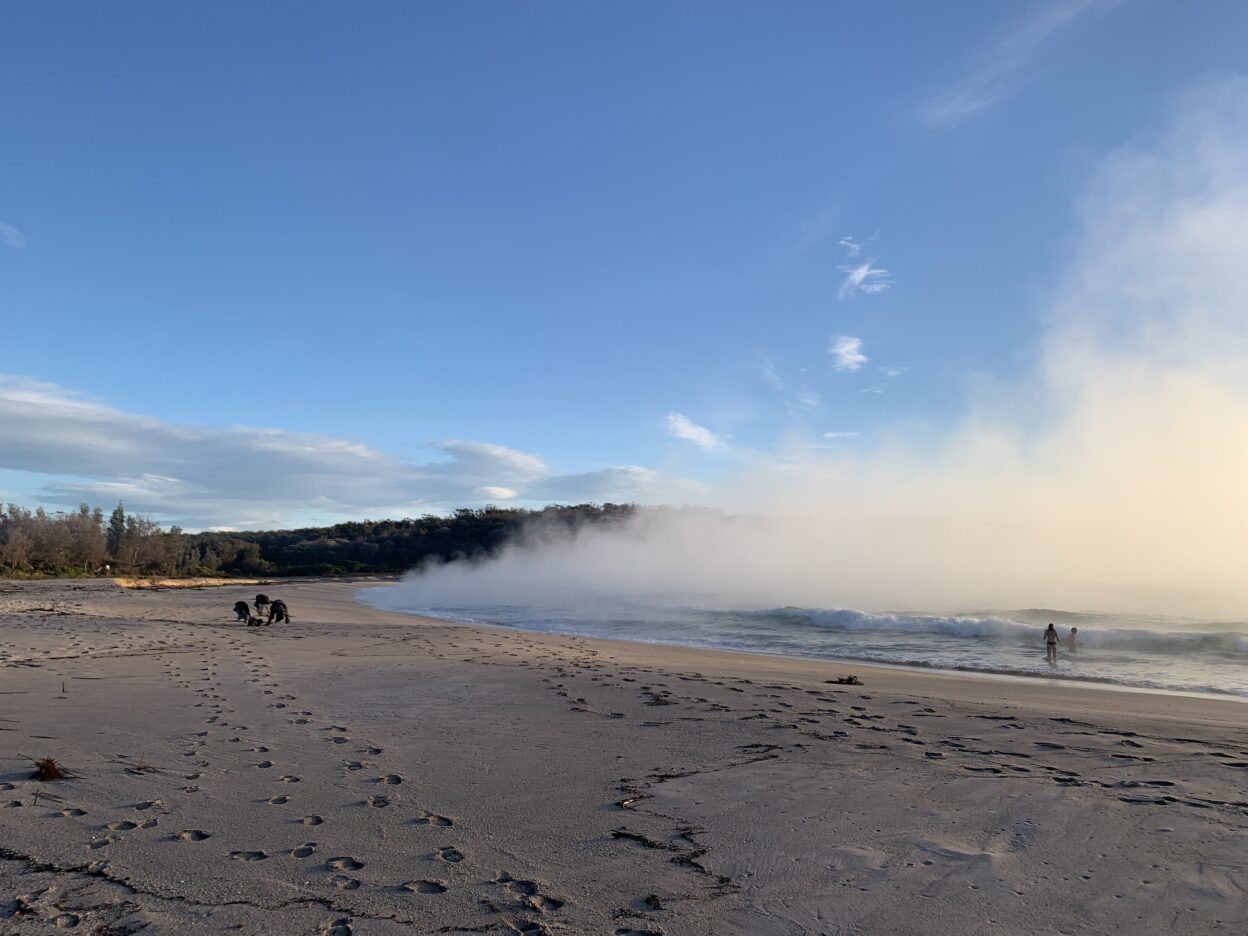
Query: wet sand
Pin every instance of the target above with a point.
(365, 772)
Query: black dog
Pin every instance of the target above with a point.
(242, 610)
(278, 612)
(262, 602)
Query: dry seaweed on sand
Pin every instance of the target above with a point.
(846, 681)
(48, 768)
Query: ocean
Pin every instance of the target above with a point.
(1153, 652)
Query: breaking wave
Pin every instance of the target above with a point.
(1143, 640)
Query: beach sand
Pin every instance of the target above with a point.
(365, 772)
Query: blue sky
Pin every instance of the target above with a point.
(420, 255)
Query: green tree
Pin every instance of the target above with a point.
(116, 530)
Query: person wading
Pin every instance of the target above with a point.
(1051, 642)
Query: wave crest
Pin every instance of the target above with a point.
(994, 627)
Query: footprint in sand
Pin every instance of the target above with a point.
(311, 820)
(248, 855)
(426, 887)
(433, 819)
(305, 850)
(353, 765)
(379, 802)
(290, 778)
(265, 764)
(392, 779)
(340, 927)
(73, 812)
(193, 835)
(124, 825)
(278, 800)
(344, 863)
(453, 855)
(343, 882)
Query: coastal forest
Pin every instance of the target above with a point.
(36, 543)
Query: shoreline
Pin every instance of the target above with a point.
(369, 773)
(1107, 685)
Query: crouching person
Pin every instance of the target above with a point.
(278, 612)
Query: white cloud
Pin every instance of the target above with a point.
(852, 247)
(891, 372)
(1001, 64)
(245, 477)
(682, 427)
(847, 353)
(865, 278)
(496, 460)
(840, 435)
(11, 235)
(497, 493)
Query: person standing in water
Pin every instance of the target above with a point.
(1051, 641)
(1072, 639)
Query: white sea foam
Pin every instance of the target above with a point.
(1227, 642)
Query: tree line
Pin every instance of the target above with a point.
(82, 542)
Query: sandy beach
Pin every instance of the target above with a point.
(361, 772)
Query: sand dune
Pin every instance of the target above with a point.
(362, 772)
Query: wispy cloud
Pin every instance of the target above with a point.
(1003, 64)
(852, 247)
(840, 435)
(11, 235)
(847, 353)
(891, 372)
(865, 278)
(771, 376)
(682, 427)
(800, 401)
(245, 477)
(807, 398)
